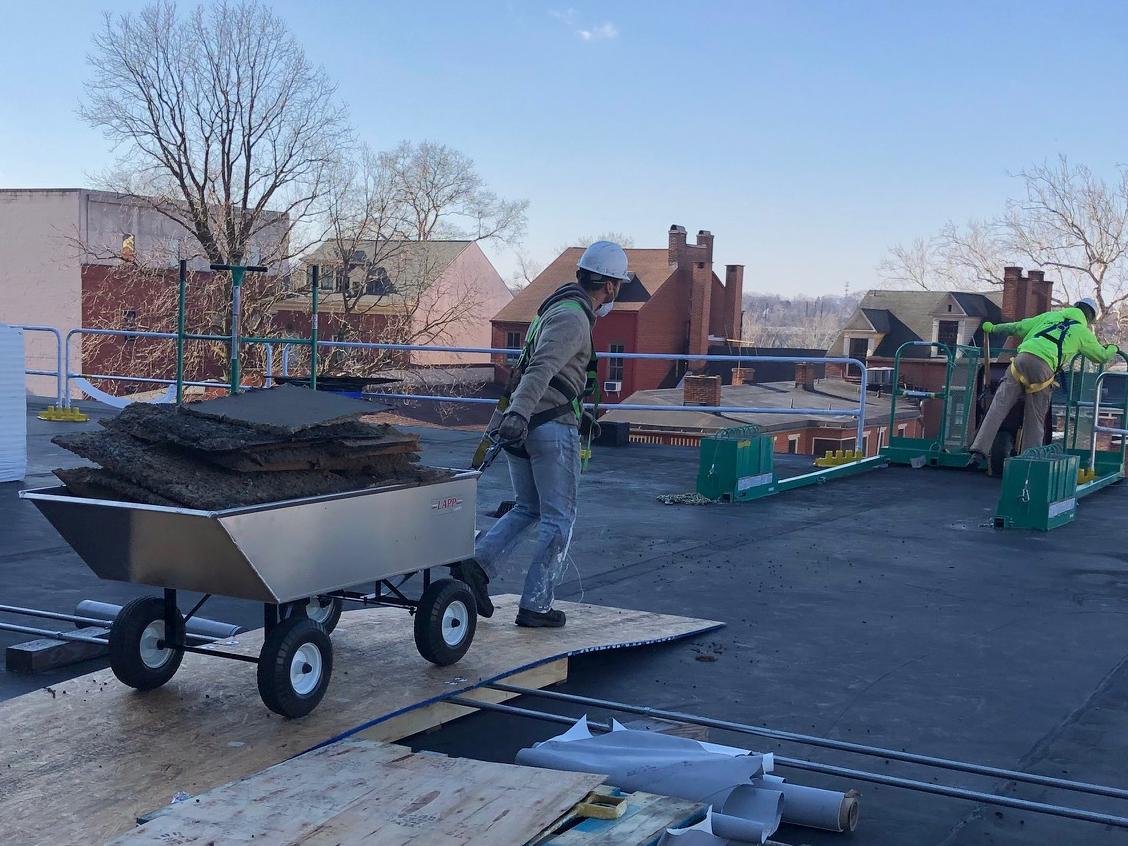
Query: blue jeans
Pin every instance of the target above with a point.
(544, 486)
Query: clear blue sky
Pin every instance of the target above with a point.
(807, 136)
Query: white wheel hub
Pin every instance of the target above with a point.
(305, 669)
(153, 656)
(456, 619)
(318, 611)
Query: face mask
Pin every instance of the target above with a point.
(605, 309)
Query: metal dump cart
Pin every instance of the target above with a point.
(301, 558)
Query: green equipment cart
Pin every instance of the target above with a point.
(949, 447)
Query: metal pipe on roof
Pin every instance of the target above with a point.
(51, 615)
(828, 769)
(825, 742)
(71, 636)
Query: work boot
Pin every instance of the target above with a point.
(471, 572)
(976, 461)
(550, 619)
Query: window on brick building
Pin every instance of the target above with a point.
(615, 365)
(512, 342)
(793, 444)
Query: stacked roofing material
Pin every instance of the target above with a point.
(261, 446)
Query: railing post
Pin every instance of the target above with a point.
(180, 332)
(314, 290)
(862, 409)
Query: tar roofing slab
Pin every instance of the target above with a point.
(880, 609)
(284, 409)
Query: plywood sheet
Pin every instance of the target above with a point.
(358, 792)
(81, 761)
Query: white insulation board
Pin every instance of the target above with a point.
(13, 405)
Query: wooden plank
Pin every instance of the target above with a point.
(436, 714)
(39, 656)
(114, 753)
(646, 817)
(358, 792)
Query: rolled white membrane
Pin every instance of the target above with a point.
(747, 803)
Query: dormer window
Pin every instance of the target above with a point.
(948, 333)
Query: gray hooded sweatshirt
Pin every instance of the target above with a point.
(561, 347)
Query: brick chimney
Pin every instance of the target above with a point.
(700, 306)
(805, 376)
(705, 239)
(743, 375)
(1025, 296)
(701, 390)
(677, 243)
(734, 293)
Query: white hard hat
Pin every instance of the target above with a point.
(605, 258)
(1089, 303)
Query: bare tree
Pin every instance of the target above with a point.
(1068, 222)
(624, 241)
(442, 196)
(224, 126)
(382, 257)
(528, 269)
(970, 258)
(771, 320)
(1075, 223)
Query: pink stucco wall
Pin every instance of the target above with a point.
(41, 285)
(472, 285)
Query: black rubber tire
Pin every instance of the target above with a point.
(330, 614)
(1001, 449)
(282, 648)
(130, 636)
(446, 606)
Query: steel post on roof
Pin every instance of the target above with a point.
(58, 374)
(814, 740)
(828, 769)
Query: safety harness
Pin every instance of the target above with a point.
(573, 402)
(1062, 329)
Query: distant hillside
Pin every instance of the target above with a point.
(772, 320)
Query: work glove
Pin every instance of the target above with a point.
(513, 429)
(988, 326)
(1112, 350)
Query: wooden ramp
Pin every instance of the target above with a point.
(359, 792)
(82, 760)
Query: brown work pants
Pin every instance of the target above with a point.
(1034, 370)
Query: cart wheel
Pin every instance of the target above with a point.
(325, 611)
(445, 621)
(137, 656)
(294, 667)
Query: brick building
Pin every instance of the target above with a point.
(96, 259)
(674, 303)
(885, 320)
(437, 293)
